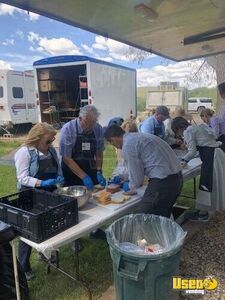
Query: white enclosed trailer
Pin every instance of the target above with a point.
(65, 83)
(167, 94)
(17, 98)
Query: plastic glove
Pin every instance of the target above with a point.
(48, 182)
(87, 181)
(101, 179)
(126, 187)
(60, 179)
(116, 179)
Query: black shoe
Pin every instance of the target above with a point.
(98, 234)
(202, 217)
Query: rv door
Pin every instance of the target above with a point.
(30, 97)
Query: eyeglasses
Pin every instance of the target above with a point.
(48, 142)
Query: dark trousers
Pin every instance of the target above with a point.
(160, 195)
(24, 256)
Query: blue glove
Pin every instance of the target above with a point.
(126, 186)
(101, 179)
(87, 181)
(60, 179)
(48, 182)
(116, 180)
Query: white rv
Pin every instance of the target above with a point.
(66, 83)
(17, 98)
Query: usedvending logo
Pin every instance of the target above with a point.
(195, 286)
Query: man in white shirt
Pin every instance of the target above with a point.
(148, 155)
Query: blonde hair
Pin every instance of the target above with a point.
(129, 126)
(206, 112)
(37, 132)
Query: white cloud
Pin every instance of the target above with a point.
(87, 48)
(59, 46)
(107, 58)
(8, 10)
(20, 34)
(182, 72)
(5, 65)
(100, 43)
(20, 62)
(33, 17)
(8, 42)
(119, 51)
(54, 46)
(33, 37)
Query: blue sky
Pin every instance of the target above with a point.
(29, 37)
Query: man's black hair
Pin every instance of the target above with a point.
(113, 131)
(179, 123)
(221, 88)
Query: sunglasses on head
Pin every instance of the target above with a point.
(48, 142)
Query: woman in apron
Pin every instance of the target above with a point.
(37, 166)
(199, 138)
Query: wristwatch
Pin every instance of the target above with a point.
(184, 160)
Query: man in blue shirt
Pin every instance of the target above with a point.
(81, 148)
(154, 124)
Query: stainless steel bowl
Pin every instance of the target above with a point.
(77, 191)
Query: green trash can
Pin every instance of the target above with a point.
(140, 275)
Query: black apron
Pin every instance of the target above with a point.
(158, 131)
(84, 154)
(47, 169)
(207, 157)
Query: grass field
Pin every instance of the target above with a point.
(95, 261)
(7, 146)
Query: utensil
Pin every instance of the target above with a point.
(76, 191)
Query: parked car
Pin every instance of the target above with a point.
(199, 103)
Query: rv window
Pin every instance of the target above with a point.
(1, 91)
(206, 100)
(17, 92)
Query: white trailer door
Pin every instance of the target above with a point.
(154, 99)
(30, 98)
(172, 99)
(113, 90)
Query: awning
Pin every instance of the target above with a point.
(177, 29)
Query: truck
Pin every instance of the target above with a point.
(197, 104)
(17, 98)
(66, 83)
(168, 94)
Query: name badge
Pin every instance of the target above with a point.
(86, 146)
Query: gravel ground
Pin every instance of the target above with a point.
(204, 255)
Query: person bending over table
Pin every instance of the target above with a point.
(147, 154)
(198, 138)
(37, 166)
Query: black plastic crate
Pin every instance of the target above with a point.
(37, 214)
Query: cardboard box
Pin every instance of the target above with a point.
(47, 74)
(51, 85)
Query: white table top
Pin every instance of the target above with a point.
(92, 216)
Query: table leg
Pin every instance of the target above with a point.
(54, 263)
(194, 187)
(15, 267)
